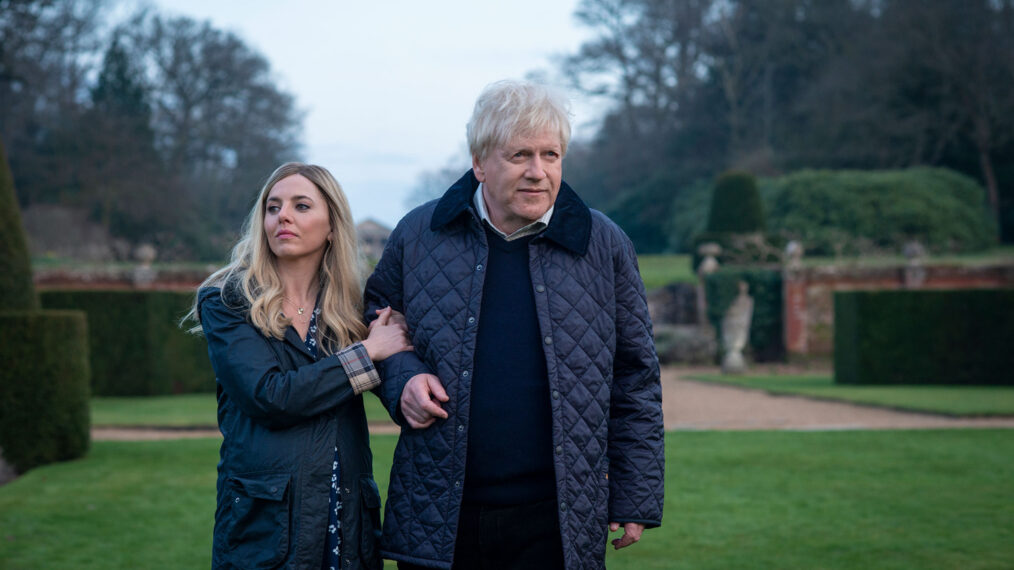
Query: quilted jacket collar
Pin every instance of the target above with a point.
(569, 228)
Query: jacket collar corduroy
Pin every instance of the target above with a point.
(570, 226)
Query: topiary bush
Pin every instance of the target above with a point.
(44, 415)
(736, 205)
(854, 212)
(924, 337)
(44, 372)
(16, 287)
(767, 340)
(136, 346)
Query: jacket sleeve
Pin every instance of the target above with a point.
(250, 374)
(385, 288)
(636, 433)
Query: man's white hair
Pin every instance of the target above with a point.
(509, 109)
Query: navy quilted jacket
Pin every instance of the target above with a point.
(603, 373)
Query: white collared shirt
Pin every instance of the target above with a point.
(532, 228)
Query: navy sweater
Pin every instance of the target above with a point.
(509, 459)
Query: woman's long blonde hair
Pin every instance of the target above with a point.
(253, 268)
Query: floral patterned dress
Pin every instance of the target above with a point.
(332, 549)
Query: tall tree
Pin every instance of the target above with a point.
(45, 49)
(220, 120)
(120, 173)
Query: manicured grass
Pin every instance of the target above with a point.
(949, 400)
(1000, 255)
(659, 270)
(831, 500)
(186, 410)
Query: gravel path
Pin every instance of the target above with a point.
(691, 405)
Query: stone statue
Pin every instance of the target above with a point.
(144, 274)
(736, 331)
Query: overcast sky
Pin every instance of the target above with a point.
(388, 86)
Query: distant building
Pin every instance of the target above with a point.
(372, 238)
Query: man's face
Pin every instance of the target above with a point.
(521, 179)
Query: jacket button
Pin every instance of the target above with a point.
(457, 484)
(540, 288)
(559, 449)
(464, 374)
(556, 394)
(549, 340)
(461, 428)
(237, 499)
(563, 506)
(471, 320)
(274, 489)
(478, 267)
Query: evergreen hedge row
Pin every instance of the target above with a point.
(44, 414)
(924, 337)
(136, 345)
(766, 342)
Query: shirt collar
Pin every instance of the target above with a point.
(531, 229)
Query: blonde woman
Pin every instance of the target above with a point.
(291, 357)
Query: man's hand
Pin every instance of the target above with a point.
(631, 534)
(420, 400)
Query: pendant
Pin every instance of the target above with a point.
(300, 310)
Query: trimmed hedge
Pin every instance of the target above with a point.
(736, 205)
(767, 341)
(855, 212)
(136, 345)
(44, 414)
(16, 289)
(924, 337)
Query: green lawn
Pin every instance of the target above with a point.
(659, 270)
(831, 500)
(186, 410)
(1000, 255)
(949, 400)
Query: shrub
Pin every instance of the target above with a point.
(767, 342)
(924, 337)
(44, 388)
(16, 289)
(644, 213)
(854, 212)
(736, 205)
(136, 347)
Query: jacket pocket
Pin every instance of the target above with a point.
(370, 520)
(258, 531)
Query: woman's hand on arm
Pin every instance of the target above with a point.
(388, 335)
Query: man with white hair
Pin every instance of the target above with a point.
(531, 406)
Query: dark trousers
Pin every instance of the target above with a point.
(495, 538)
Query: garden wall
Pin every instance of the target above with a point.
(809, 295)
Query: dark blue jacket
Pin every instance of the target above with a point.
(603, 373)
(281, 414)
